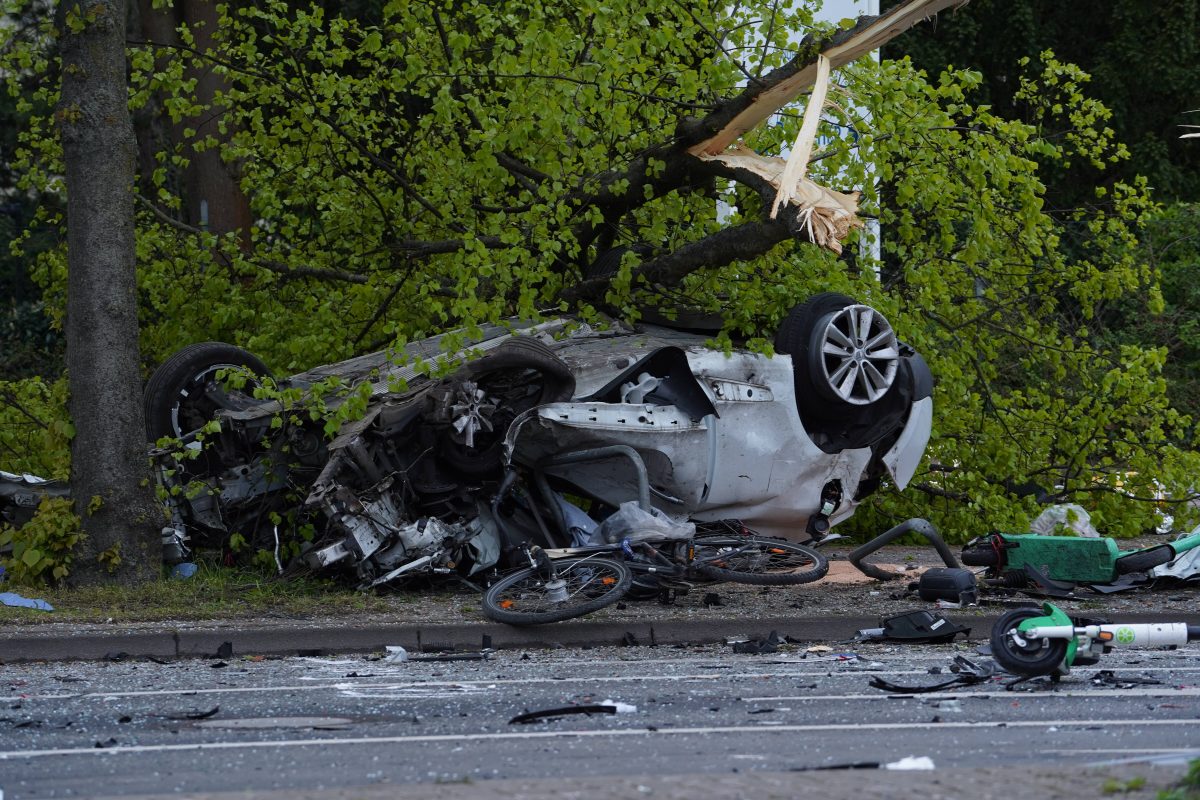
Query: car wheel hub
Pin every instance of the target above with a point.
(858, 356)
(471, 412)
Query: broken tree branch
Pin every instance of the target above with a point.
(701, 149)
(785, 84)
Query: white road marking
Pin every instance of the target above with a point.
(1165, 691)
(1106, 751)
(644, 732)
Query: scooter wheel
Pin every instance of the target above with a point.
(1021, 656)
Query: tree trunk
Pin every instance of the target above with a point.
(110, 471)
(213, 200)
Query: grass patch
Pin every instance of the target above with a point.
(1114, 786)
(1188, 788)
(214, 592)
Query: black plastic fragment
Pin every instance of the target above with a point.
(922, 626)
(480, 656)
(194, 714)
(1106, 677)
(967, 673)
(551, 713)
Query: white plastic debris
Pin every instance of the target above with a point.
(1066, 518)
(622, 708)
(395, 654)
(632, 523)
(911, 762)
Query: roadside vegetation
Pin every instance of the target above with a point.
(215, 591)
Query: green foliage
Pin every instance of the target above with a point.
(1142, 58)
(35, 435)
(42, 548)
(1188, 788)
(1170, 244)
(1001, 295)
(435, 167)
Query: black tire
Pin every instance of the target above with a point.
(520, 598)
(1145, 560)
(1020, 657)
(516, 376)
(183, 394)
(801, 335)
(757, 560)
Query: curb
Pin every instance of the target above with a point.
(291, 640)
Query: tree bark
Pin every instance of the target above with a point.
(110, 471)
(213, 200)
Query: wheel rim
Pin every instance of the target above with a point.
(472, 413)
(203, 396)
(757, 559)
(574, 585)
(858, 355)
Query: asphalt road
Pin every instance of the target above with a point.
(705, 714)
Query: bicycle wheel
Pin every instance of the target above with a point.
(759, 561)
(525, 597)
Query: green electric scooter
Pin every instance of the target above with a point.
(1069, 558)
(1032, 643)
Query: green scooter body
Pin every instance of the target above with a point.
(1081, 560)
(1063, 558)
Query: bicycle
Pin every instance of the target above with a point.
(565, 582)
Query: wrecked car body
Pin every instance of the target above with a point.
(788, 444)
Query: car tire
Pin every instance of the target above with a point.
(179, 398)
(845, 355)
(494, 373)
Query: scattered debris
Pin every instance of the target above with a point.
(918, 627)
(607, 707)
(17, 601)
(1106, 677)
(911, 762)
(482, 655)
(768, 644)
(194, 714)
(949, 584)
(922, 526)
(260, 723)
(966, 673)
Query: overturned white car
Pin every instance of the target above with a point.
(590, 418)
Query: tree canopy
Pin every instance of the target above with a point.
(441, 165)
(1141, 58)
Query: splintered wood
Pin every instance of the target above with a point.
(828, 216)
